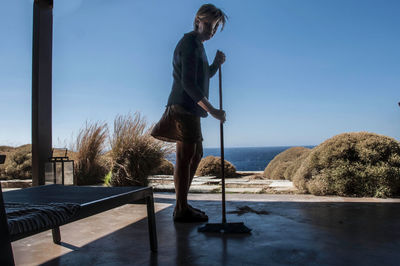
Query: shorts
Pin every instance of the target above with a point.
(177, 124)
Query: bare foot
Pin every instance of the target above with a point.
(189, 216)
(191, 208)
(195, 209)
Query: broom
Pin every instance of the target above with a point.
(224, 227)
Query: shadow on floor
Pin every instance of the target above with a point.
(295, 233)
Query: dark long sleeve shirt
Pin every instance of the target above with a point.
(191, 74)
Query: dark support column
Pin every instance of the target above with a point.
(41, 87)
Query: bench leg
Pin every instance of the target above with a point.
(152, 223)
(56, 235)
(6, 253)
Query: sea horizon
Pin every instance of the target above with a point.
(272, 146)
(246, 158)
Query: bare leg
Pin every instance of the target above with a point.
(195, 162)
(193, 167)
(185, 167)
(184, 154)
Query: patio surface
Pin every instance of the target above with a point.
(297, 230)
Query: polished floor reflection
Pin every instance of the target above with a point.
(289, 230)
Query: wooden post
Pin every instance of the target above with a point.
(41, 88)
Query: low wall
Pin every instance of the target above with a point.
(15, 183)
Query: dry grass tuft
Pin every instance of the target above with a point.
(134, 152)
(90, 167)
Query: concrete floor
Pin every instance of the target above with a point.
(298, 230)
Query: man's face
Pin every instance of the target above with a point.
(207, 29)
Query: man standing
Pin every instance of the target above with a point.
(187, 102)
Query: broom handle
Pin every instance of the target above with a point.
(221, 125)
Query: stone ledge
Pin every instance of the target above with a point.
(15, 183)
(211, 184)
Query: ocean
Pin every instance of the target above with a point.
(245, 158)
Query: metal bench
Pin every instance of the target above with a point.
(91, 201)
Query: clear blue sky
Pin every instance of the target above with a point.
(297, 72)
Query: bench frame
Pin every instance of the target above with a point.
(140, 195)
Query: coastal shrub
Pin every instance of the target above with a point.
(352, 164)
(14, 164)
(135, 153)
(295, 165)
(18, 164)
(5, 150)
(285, 163)
(2, 172)
(211, 166)
(165, 168)
(90, 166)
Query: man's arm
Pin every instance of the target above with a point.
(216, 113)
(218, 60)
(190, 64)
(213, 69)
